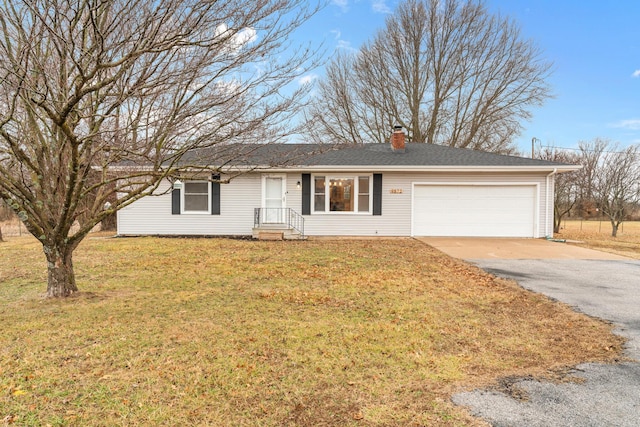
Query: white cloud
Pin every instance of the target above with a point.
(236, 41)
(304, 80)
(346, 45)
(380, 6)
(631, 124)
(636, 73)
(342, 44)
(342, 4)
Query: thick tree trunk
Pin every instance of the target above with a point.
(1, 239)
(61, 281)
(557, 220)
(614, 229)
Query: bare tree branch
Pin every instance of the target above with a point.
(610, 178)
(89, 84)
(567, 189)
(446, 70)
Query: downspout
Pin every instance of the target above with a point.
(546, 226)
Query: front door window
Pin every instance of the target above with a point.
(273, 211)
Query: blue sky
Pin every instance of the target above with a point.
(593, 44)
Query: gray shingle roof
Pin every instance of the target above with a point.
(315, 155)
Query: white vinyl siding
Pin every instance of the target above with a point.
(396, 204)
(152, 215)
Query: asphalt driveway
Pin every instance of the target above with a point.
(596, 283)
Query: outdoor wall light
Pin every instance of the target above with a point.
(298, 185)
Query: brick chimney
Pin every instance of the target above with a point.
(397, 140)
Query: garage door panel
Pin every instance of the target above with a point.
(478, 210)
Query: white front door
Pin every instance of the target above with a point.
(274, 195)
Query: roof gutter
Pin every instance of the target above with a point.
(402, 168)
(378, 168)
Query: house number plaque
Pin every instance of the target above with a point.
(396, 191)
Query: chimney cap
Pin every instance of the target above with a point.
(397, 127)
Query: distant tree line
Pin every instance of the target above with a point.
(608, 185)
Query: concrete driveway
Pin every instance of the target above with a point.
(596, 283)
(472, 248)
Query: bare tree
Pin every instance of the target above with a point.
(566, 194)
(617, 185)
(448, 71)
(99, 97)
(589, 157)
(3, 216)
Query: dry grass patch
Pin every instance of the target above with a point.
(223, 332)
(597, 235)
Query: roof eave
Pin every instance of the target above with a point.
(395, 168)
(378, 168)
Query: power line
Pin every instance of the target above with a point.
(581, 149)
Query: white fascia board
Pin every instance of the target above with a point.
(369, 168)
(119, 168)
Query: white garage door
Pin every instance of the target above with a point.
(474, 210)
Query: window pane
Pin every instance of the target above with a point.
(319, 185)
(196, 202)
(196, 196)
(318, 204)
(363, 185)
(196, 187)
(363, 203)
(273, 188)
(341, 195)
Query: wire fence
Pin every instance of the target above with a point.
(599, 226)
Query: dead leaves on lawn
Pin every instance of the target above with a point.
(359, 332)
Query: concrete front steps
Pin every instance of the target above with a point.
(276, 232)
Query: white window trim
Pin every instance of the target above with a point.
(184, 195)
(327, 194)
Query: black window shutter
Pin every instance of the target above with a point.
(215, 195)
(175, 201)
(306, 194)
(377, 194)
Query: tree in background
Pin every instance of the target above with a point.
(589, 157)
(448, 71)
(4, 215)
(617, 184)
(567, 193)
(609, 179)
(99, 97)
